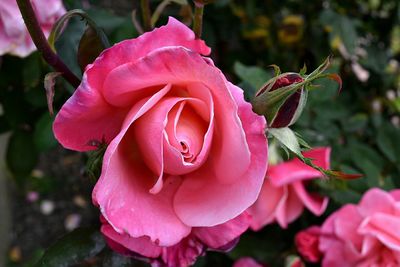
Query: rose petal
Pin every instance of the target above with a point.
(376, 200)
(263, 210)
(246, 262)
(286, 173)
(183, 254)
(289, 208)
(220, 235)
(201, 194)
(122, 190)
(229, 144)
(384, 227)
(87, 109)
(315, 203)
(124, 244)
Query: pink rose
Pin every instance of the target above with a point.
(14, 37)
(284, 195)
(364, 235)
(247, 262)
(307, 242)
(185, 151)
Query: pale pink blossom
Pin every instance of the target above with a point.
(14, 36)
(186, 155)
(284, 193)
(364, 235)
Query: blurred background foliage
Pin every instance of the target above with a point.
(361, 124)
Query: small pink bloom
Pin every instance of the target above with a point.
(364, 235)
(185, 154)
(14, 37)
(307, 242)
(246, 262)
(284, 195)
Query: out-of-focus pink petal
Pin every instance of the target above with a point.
(246, 262)
(220, 235)
(385, 227)
(295, 170)
(320, 155)
(335, 239)
(200, 193)
(263, 210)
(376, 200)
(315, 203)
(346, 225)
(307, 243)
(395, 194)
(289, 208)
(124, 244)
(87, 108)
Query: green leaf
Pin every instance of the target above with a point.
(60, 24)
(43, 136)
(389, 142)
(90, 47)
(253, 75)
(341, 26)
(74, 247)
(21, 155)
(345, 196)
(31, 72)
(287, 138)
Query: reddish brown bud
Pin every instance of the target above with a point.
(285, 109)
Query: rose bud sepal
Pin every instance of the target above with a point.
(281, 100)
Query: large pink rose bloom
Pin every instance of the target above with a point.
(185, 151)
(284, 194)
(14, 37)
(364, 235)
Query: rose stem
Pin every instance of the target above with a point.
(41, 43)
(198, 20)
(146, 14)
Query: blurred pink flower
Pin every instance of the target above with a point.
(14, 37)
(246, 262)
(307, 244)
(364, 235)
(186, 154)
(284, 195)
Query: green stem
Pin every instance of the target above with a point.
(198, 20)
(39, 39)
(146, 14)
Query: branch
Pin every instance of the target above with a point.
(198, 20)
(146, 14)
(37, 35)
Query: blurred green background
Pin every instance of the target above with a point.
(48, 191)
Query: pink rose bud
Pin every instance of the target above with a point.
(285, 109)
(307, 242)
